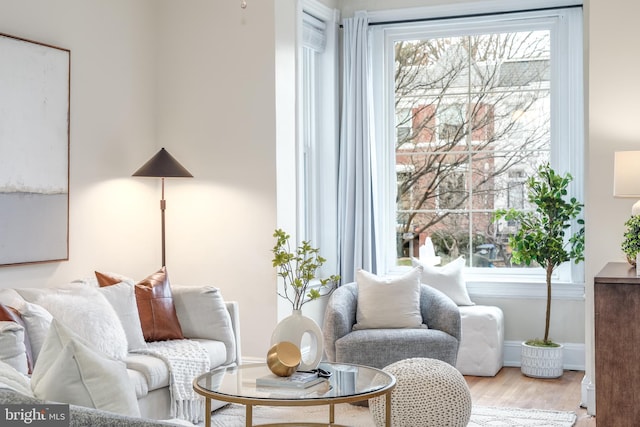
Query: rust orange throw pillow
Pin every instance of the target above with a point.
(106, 279)
(155, 305)
(10, 314)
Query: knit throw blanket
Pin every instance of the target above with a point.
(186, 360)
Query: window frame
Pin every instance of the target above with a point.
(317, 134)
(567, 106)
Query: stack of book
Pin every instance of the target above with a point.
(296, 380)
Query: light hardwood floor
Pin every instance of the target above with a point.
(510, 388)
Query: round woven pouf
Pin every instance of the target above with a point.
(428, 392)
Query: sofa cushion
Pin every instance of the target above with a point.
(10, 314)
(381, 347)
(217, 351)
(388, 302)
(155, 370)
(203, 315)
(37, 320)
(155, 305)
(10, 297)
(122, 298)
(90, 316)
(11, 379)
(448, 279)
(12, 349)
(71, 371)
(139, 382)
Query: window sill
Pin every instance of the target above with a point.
(516, 289)
(514, 286)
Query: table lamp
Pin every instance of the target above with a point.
(626, 177)
(163, 165)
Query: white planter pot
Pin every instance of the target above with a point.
(295, 328)
(541, 362)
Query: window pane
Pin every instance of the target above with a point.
(473, 122)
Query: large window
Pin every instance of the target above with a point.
(473, 107)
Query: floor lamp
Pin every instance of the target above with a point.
(163, 165)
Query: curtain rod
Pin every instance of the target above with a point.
(471, 15)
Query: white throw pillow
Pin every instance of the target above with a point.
(203, 313)
(447, 279)
(12, 349)
(390, 302)
(70, 371)
(12, 379)
(122, 298)
(90, 316)
(37, 319)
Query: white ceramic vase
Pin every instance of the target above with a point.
(301, 330)
(541, 362)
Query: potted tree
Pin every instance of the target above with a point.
(542, 239)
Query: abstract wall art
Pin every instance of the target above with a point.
(34, 151)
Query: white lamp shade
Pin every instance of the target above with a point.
(626, 175)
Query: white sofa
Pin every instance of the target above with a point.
(203, 315)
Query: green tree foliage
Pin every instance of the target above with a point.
(542, 234)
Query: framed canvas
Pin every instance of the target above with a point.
(34, 151)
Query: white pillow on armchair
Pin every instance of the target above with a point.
(448, 279)
(388, 302)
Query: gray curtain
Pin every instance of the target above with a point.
(356, 185)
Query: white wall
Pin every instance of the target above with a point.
(216, 114)
(195, 77)
(614, 89)
(112, 132)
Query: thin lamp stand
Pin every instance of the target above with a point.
(163, 165)
(163, 206)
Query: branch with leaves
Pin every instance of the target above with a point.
(298, 271)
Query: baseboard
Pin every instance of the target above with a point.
(574, 359)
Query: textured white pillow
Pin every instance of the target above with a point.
(12, 349)
(70, 371)
(90, 316)
(12, 379)
(202, 313)
(391, 302)
(37, 319)
(447, 279)
(122, 298)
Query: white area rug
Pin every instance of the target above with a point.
(356, 416)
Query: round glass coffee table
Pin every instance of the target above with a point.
(347, 384)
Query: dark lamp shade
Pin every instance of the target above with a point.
(163, 165)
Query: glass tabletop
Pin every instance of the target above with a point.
(346, 381)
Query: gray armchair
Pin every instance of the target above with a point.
(381, 347)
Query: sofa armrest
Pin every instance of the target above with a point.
(339, 317)
(234, 313)
(439, 311)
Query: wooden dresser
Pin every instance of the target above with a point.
(617, 345)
